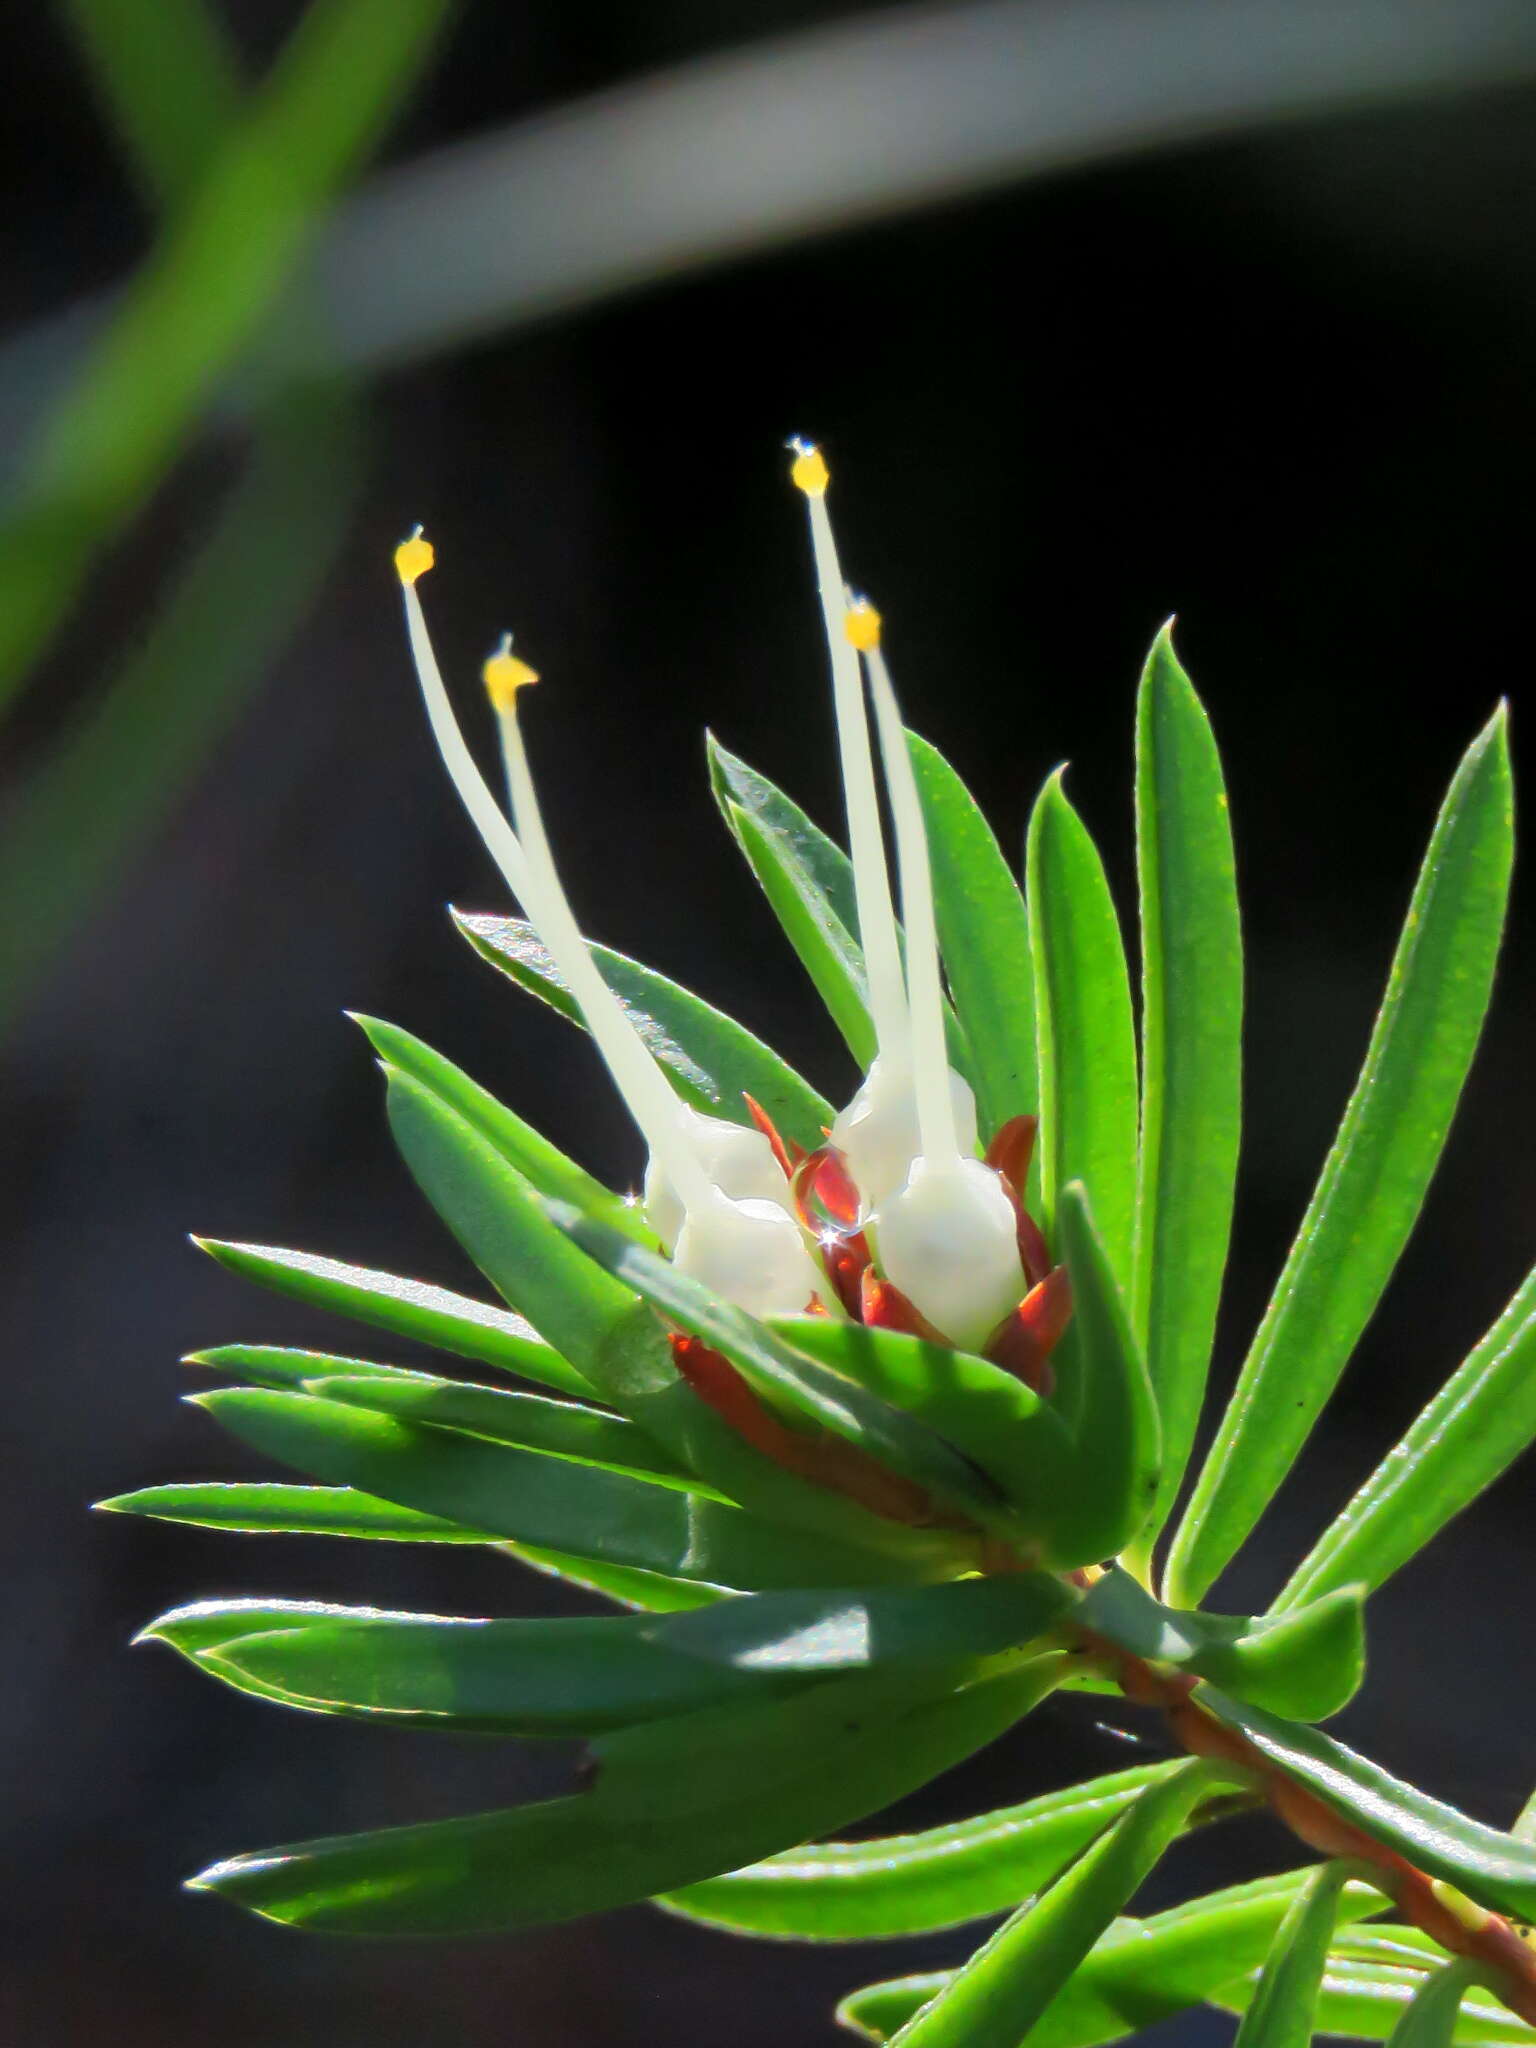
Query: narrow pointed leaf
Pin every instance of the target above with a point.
(1087, 1041)
(1138, 1972)
(984, 936)
(283, 1365)
(668, 1804)
(823, 1397)
(1374, 1179)
(1365, 2001)
(1003, 1990)
(1430, 2019)
(1495, 1869)
(1104, 1392)
(265, 1507)
(498, 1220)
(406, 1308)
(543, 1165)
(1283, 2009)
(809, 885)
(915, 1884)
(879, 1629)
(825, 949)
(533, 1499)
(562, 1429)
(710, 1060)
(643, 1592)
(1192, 1016)
(556, 1678)
(1477, 1425)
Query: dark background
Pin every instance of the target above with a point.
(1281, 386)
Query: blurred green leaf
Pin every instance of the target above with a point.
(995, 1999)
(1430, 2019)
(199, 300)
(406, 1308)
(1087, 1039)
(170, 81)
(668, 1804)
(1477, 1425)
(1374, 1179)
(1192, 1017)
(984, 937)
(1365, 2001)
(913, 1884)
(710, 1060)
(264, 1507)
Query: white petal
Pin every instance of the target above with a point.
(736, 1157)
(878, 1132)
(752, 1252)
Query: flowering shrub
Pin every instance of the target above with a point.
(875, 1419)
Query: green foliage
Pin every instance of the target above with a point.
(841, 1556)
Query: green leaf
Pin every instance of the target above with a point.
(1192, 1018)
(550, 1502)
(1496, 1870)
(984, 936)
(650, 1592)
(809, 885)
(1430, 2020)
(999, 1425)
(263, 1507)
(914, 1884)
(1139, 1972)
(562, 1429)
(1365, 2001)
(1103, 1390)
(527, 1678)
(1283, 2009)
(1375, 1177)
(281, 1365)
(1479, 1423)
(999, 1995)
(406, 1308)
(1088, 1096)
(542, 1164)
(826, 1398)
(823, 944)
(498, 1220)
(881, 1629)
(1306, 1665)
(710, 1060)
(668, 1804)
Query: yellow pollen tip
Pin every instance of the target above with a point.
(861, 623)
(1471, 1916)
(808, 471)
(413, 557)
(504, 675)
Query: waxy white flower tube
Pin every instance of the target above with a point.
(747, 1247)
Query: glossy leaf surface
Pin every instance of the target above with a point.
(1495, 1869)
(1477, 1425)
(1374, 1179)
(267, 1507)
(406, 1308)
(913, 1884)
(1192, 1017)
(984, 936)
(710, 1060)
(1087, 1039)
(1283, 2009)
(533, 1499)
(668, 1804)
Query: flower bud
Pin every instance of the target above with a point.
(949, 1240)
(878, 1134)
(751, 1252)
(738, 1159)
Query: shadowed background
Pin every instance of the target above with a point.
(1274, 378)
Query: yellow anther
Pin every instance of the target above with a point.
(504, 675)
(808, 471)
(861, 622)
(413, 557)
(1472, 1916)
